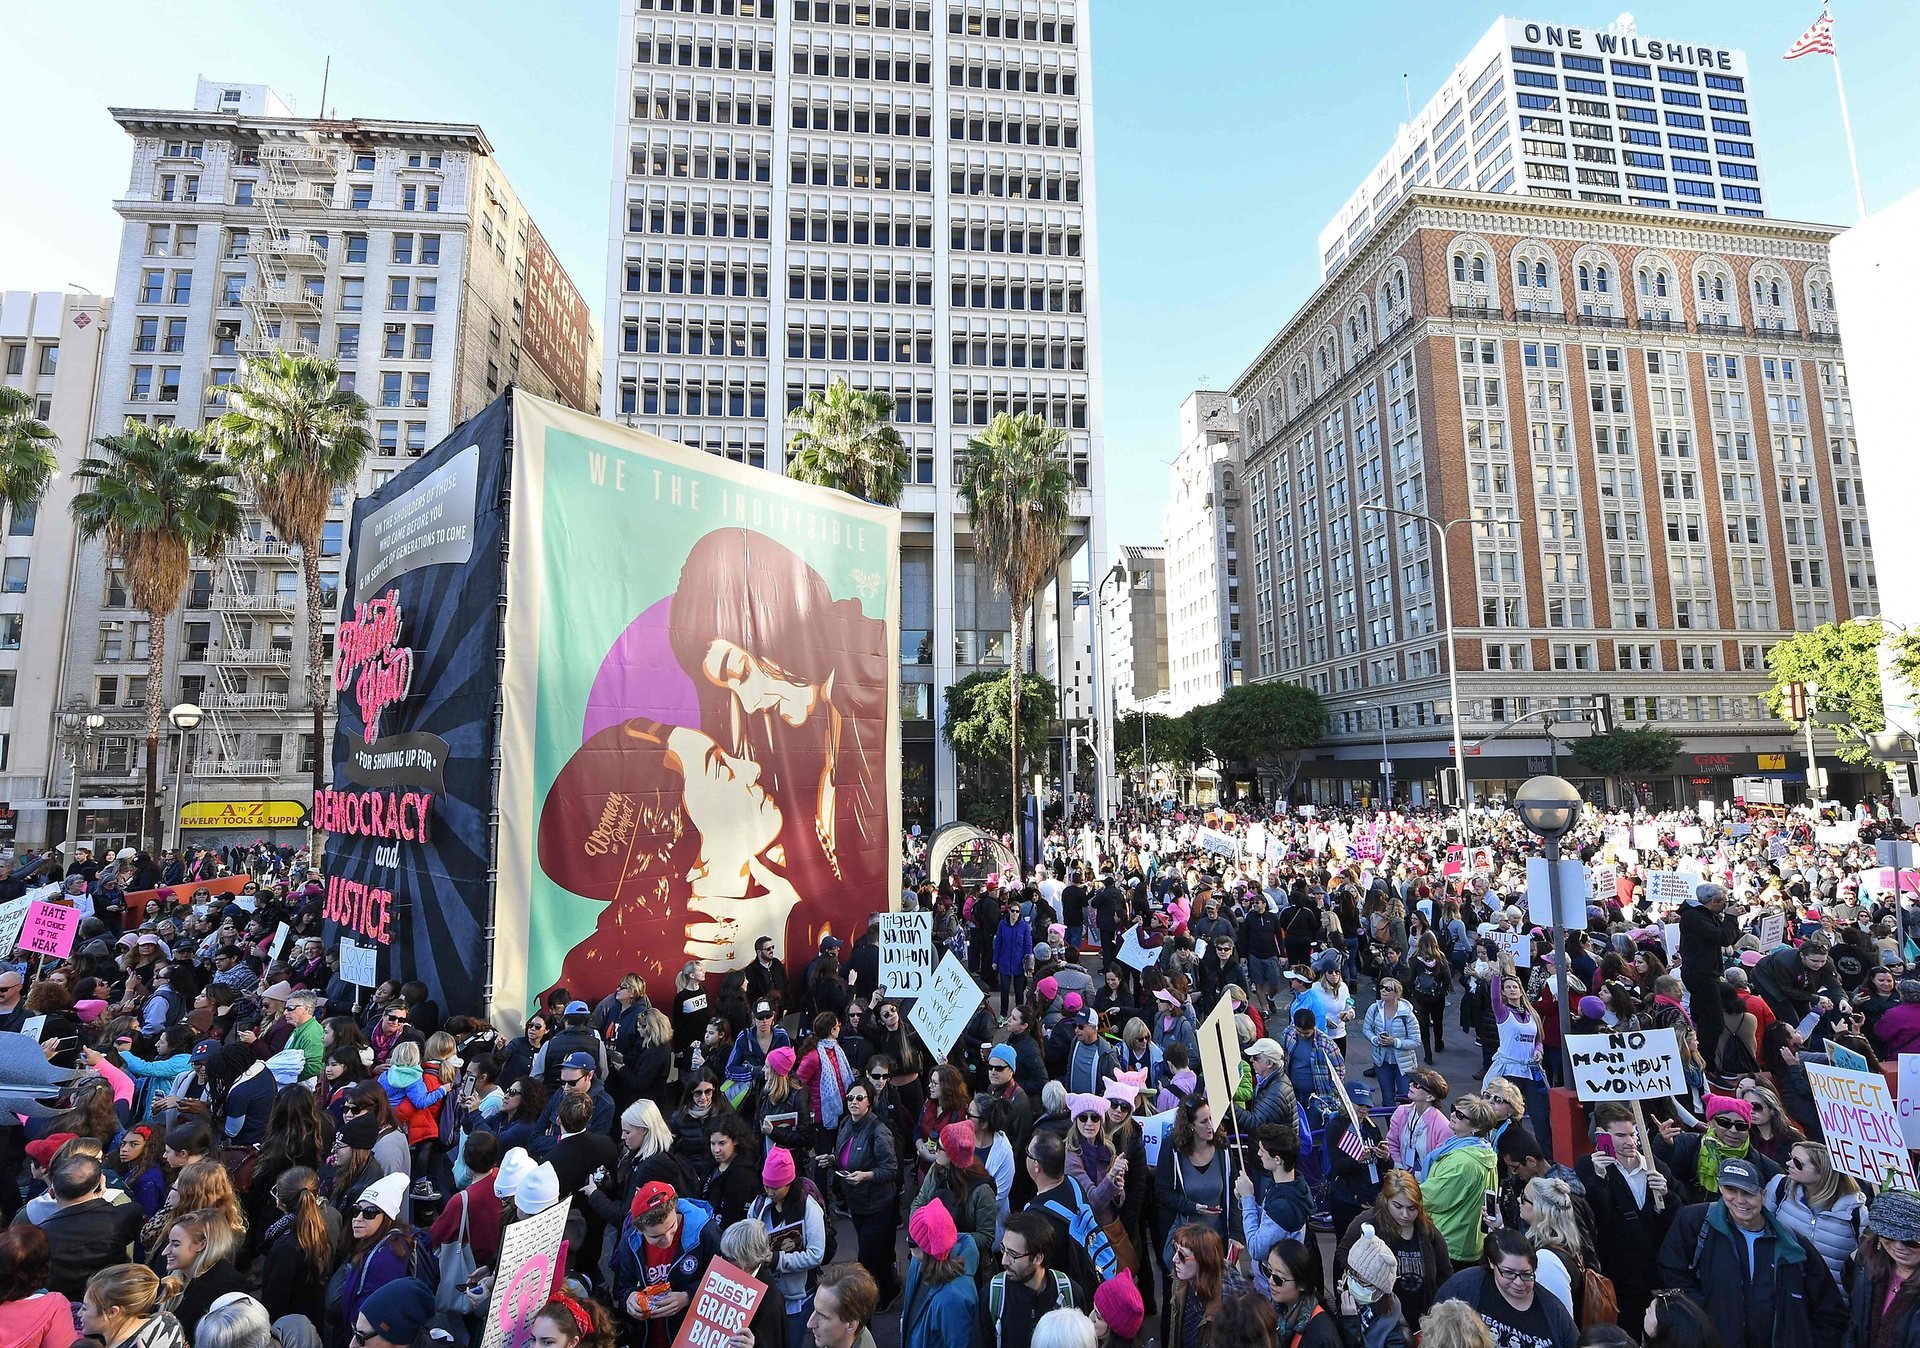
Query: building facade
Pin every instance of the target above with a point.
(1574, 114)
(1201, 531)
(51, 347)
(897, 194)
(396, 247)
(1133, 608)
(1634, 425)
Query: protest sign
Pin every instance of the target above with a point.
(1646, 837)
(13, 916)
(722, 1307)
(906, 953)
(1671, 932)
(1307, 811)
(529, 1251)
(1777, 850)
(1456, 859)
(1316, 841)
(1480, 861)
(1666, 888)
(1837, 835)
(1573, 894)
(1631, 1065)
(1153, 1129)
(1219, 844)
(1219, 1057)
(943, 1010)
(1773, 930)
(48, 930)
(1845, 1057)
(1909, 1103)
(1605, 882)
(281, 934)
(1690, 835)
(1135, 955)
(359, 964)
(1518, 944)
(1862, 1127)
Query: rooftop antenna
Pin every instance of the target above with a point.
(325, 78)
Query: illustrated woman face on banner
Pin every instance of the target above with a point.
(666, 828)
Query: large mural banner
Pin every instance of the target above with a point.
(700, 721)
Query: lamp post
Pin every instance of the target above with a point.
(1548, 807)
(185, 716)
(1442, 528)
(80, 733)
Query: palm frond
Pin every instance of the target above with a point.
(27, 445)
(844, 438)
(293, 435)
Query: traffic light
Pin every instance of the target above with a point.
(1602, 714)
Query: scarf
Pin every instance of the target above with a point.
(1885, 1317)
(1711, 1155)
(836, 1074)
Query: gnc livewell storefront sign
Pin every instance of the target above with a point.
(682, 672)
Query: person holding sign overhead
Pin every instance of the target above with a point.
(1706, 929)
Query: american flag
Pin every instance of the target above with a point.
(1354, 1145)
(1818, 38)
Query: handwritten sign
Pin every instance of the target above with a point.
(48, 930)
(281, 934)
(1773, 930)
(1777, 850)
(1633, 1065)
(942, 1011)
(1909, 1103)
(1135, 955)
(1845, 1057)
(1517, 945)
(13, 916)
(529, 1252)
(1219, 1058)
(359, 964)
(1606, 882)
(1862, 1126)
(1456, 859)
(1219, 844)
(722, 1307)
(906, 953)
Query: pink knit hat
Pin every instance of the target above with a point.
(1048, 986)
(778, 1168)
(932, 1230)
(780, 1061)
(957, 1141)
(1728, 1104)
(1118, 1302)
(1072, 1001)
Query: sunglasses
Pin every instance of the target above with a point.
(856, 1097)
(701, 1091)
(367, 1211)
(1733, 1125)
(515, 1091)
(395, 1020)
(355, 1109)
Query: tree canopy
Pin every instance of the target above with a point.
(977, 719)
(1627, 751)
(1171, 741)
(1842, 660)
(1263, 726)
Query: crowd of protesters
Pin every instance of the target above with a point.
(246, 1149)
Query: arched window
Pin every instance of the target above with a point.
(1759, 291)
(1540, 275)
(1720, 288)
(1460, 267)
(1520, 272)
(1586, 278)
(1479, 267)
(1600, 279)
(1701, 284)
(1660, 284)
(1646, 282)
(1773, 293)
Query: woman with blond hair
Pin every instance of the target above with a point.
(1553, 1229)
(199, 1252)
(202, 1185)
(1821, 1206)
(1399, 1217)
(122, 1309)
(648, 1050)
(1508, 1101)
(1462, 1171)
(1454, 1324)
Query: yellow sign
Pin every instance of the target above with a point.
(1773, 762)
(243, 814)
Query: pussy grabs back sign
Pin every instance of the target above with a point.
(369, 659)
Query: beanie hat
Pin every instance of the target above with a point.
(1373, 1261)
(957, 1141)
(386, 1193)
(1048, 987)
(1080, 1102)
(1042, 952)
(1728, 1104)
(398, 1310)
(780, 1061)
(1326, 961)
(539, 1191)
(360, 1132)
(1593, 1008)
(1073, 1001)
(778, 1169)
(1895, 1215)
(1003, 1053)
(1119, 1304)
(932, 1230)
(515, 1166)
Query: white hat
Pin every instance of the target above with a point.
(84, 846)
(539, 1191)
(126, 854)
(1266, 1048)
(515, 1166)
(387, 1193)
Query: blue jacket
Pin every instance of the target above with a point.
(1012, 946)
(943, 1316)
(699, 1243)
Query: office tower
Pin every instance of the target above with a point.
(897, 194)
(1201, 531)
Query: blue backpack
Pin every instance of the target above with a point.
(1084, 1234)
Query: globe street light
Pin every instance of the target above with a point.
(80, 733)
(1548, 806)
(185, 716)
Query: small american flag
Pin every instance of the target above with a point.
(1354, 1145)
(1818, 38)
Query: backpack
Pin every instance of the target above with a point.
(1599, 1304)
(997, 1297)
(1426, 988)
(1084, 1236)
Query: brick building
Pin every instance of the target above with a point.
(1639, 419)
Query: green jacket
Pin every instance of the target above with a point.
(308, 1039)
(1454, 1191)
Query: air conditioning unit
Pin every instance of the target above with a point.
(396, 327)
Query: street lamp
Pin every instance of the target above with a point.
(1548, 807)
(185, 716)
(1442, 528)
(80, 733)
(1386, 763)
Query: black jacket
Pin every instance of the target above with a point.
(872, 1149)
(1867, 1296)
(1030, 1064)
(1628, 1233)
(1703, 936)
(85, 1238)
(1791, 1301)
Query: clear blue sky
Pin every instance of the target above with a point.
(1226, 133)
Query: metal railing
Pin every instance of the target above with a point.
(234, 767)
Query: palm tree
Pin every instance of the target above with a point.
(158, 498)
(293, 435)
(844, 439)
(26, 450)
(1015, 483)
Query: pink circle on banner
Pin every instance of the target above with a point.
(526, 1294)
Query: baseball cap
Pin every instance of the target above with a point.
(204, 1050)
(581, 1062)
(652, 1196)
(830, 943)
(763, 1008)
(1265, 1048)
(1740, 1174)
(577, 1009)
(42, 1150)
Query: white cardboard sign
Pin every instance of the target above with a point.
(1862, 1125)
(945, 1007)
(1635, 1065)
(906, 953)
(359, 964)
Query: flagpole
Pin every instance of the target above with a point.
(1846, 125)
